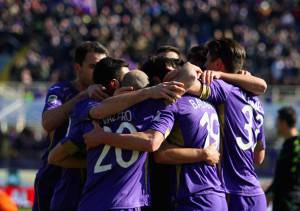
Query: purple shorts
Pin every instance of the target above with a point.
(250, 203)
(204, 202)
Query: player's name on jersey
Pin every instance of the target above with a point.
(122, 116)
(199, 104)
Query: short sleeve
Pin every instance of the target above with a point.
(261, 137)
(83, 108)
(54, 98)
(164, 120)
(217, 92)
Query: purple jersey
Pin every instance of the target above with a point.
(48, 175)
(194, 124)
(68, 190)
(241, 117)
(118, 178)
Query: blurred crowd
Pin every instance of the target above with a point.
(133, 29)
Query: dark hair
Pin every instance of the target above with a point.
(289, 115)
(88, 47)
(167, 48)
(197, 55)
(157, 66)
(107, 69)
(229, 51)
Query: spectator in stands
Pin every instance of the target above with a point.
(285, 189)
(44, 32)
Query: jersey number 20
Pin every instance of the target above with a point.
(99, 167)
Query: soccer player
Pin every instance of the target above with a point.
(108, 72)
(285, 189)
(187, 111)
(60, 99)
(241, 115)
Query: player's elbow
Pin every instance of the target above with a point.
(154, 142)
(96, 113)
(261, 87)
(259, 157)
(53, 159)
(47, 124)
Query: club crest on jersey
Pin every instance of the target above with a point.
(52, 98)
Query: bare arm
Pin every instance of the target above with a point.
(53, 118)
(259, 153)
(250, 83)
(247, 82)
(169, 91)
(62, 155)
(172, 154)
(149, 140)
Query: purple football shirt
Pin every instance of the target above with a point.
(241, 117)
(194, 124)
(69, 188)
(48, 175)
(118, 178)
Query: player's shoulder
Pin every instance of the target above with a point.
(81, 108)
(61, 86)
(193, 101)
(221, 83)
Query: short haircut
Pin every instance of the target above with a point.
(289, 115)
(197, 55)
(136, 78)
(88, 47)
(168, 48)
(157, 66)
(229, 51)
(108, 69)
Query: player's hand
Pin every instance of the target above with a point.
(171, 75)
(123, 90)
(211, 154)
(170, 91)
(96, 91)
(209, 75)
(92, 138)
(243, 72)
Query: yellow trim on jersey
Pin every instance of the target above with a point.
(51, 137)
(205, 92)
(175, 136)
(70, 147)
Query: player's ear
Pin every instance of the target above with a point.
(77, 68)
(114, 83)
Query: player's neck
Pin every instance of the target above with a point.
(78, 85)
(291, 133)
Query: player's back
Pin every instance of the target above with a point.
(241, 118)
(48, 175)
(118, 178)
(196, 125)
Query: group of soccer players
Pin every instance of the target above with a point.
(169, 136)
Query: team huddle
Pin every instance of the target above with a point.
(166, 136)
